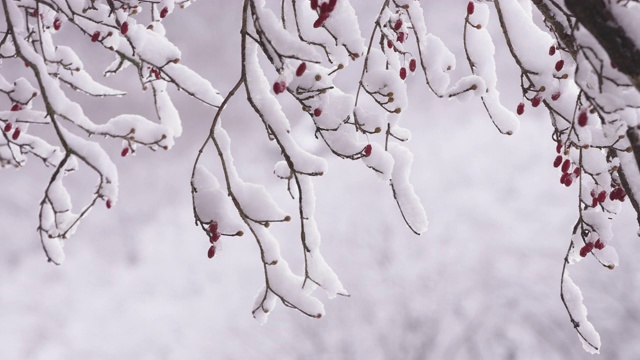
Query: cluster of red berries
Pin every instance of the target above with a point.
(401, 36)
(280, 86)
(8, 126)
(617, 193)
(598, 197)
(325, 9)
(567, 176)
(214, 236)
(588, 247)
(412, 68)
(537, 99)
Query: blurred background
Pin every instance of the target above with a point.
(482, 283)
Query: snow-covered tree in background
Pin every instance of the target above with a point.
(577, 59)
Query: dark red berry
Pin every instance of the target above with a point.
(108, 203)
(559, 147)
(215, 236)
(403, 73)
(321, 19)
(559, 65)
(400, 37)
(389, 44)
(314, 4)
(566, 179)
(586, 249)
(599, 245)
(602, 196)
(213, 227)
(95, 37)
(212, 251)
(535, 102)
(317, 112)
(566, 165)
(594, 202)
(367, 150)
(57, 23)
(583, 118)
(301, 69)
(613, 65)
(520, 109)
(470, 7)
(164, 12)
(324, 8)
(16, 107)
(156, 73)
(552, 50)
(412, 65)
(124, 28)
(576, 172)
(124, 151)
(16, 134)
(332, 5)
(555, 96)
(557, 161)
(279, 87)
(397, 25)
(8, 127)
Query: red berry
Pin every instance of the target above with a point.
(215, 236)
(16, 107)
(367, 150)
(212, 252)
(557, 161)
(613, 65)
(583, 118)
(576, 172)
(555, 96)
(8, 127)
(124, 28)
(213, 227)
(403, 73)
(566, 165)
(470, 7)
(535, 102)
(124, 151)
(559, 65)
(57, 23)
(520, 109)
(594, 202)
(321, 19)
(108, 203)
(164, 12)
(301, 69)
(389, 44)
(566, 179)
(412, 65)
(400, 37)
(156, 73)
(317, 112)
(593, 193)
(324, 8)
(602, 196)
(314, 4)
(16, 134)
(552, 50)
(95, 37)
(586, 249)
(279, 87)
(599, 245)
(559, 147)
(332, 5)
(397, 25)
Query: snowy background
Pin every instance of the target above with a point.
(482, 283)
